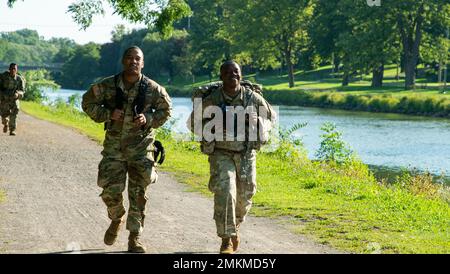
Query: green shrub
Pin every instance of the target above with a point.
(36, 80)
(332, 147)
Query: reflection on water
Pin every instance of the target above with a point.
(388, 140)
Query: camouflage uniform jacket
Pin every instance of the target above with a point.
(248, 97)
(11, 85)
(123, 140)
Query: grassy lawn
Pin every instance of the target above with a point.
(344, 207)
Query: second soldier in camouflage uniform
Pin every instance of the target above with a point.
(232, 163)
(132, 106)
(12, 89)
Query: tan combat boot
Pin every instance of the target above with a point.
(134, 245)
(227, 246)
(12, 133)
(112, 232)
(236, 240)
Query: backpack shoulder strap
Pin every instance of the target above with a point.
(139, 101)
(119, 96)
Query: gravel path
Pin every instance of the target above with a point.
(52, 205)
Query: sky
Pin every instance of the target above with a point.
(50, 19)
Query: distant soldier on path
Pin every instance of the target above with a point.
(131, 105)
(12, 89)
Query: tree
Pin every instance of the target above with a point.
(211, 36)
(23, 36)
(435, 54)
(436, 43)
(36, 80)
(83, 68)
(160, 13)
(412, 18)
(26, 47)
(370, 41)
(159, 52)
(119, 32)
(326, 26)
(274, 28)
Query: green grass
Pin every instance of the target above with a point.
(65, 116)
(344, 207)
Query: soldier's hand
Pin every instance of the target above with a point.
(16, 96)
(140, 120)
(117, 115)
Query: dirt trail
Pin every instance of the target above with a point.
(52, 204)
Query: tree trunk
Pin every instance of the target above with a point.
(210, 75)
(290, 68)
(345, 79)
(332, 63)
(336, 63)
(445, 78)
(411, 39)
(410, 74)
(397, 77)
(402, 63)
(377, 78)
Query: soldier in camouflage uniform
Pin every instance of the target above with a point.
(12, 89)
(232, 163)
(131, 106)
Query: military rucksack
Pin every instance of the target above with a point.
(204, 91)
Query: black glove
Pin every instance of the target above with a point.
(159, 151)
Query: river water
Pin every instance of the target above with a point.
(387, 140)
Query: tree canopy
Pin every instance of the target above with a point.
(161, 13)
(193, 37)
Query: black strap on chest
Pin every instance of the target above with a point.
(138, 103)
(120, 95)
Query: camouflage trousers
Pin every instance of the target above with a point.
(233, 182)
(112, 176)
(9, 108)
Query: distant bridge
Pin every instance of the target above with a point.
(57, 67)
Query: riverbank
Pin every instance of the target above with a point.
(390, 174)
(342, 206)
